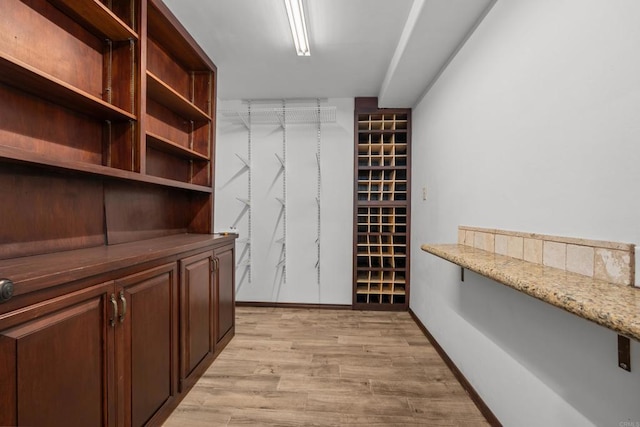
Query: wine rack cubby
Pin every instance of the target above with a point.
(382, 207)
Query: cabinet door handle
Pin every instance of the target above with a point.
(124, 306)
(114, 306)
(6, 290)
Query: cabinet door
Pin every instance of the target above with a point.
(147, 341)
(56, 365)
(225, 289)
(197, 312)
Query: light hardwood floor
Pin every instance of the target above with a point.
(309, 367)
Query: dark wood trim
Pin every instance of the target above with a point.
(473, 394)
(292, 305)
(365, 306)
(367, 104)
(383, 203)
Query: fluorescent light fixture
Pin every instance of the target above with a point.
(295, 13)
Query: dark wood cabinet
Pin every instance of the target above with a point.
(147, 342)
(106, 355)
(57, 361)
(207, 291)
(198, 314)
(115, 353)
(225, 300)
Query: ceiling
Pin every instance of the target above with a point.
(390, 49)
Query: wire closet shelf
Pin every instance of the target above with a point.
(276, 115)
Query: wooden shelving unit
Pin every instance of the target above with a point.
(113, 286)
(70, 66)
(180, 105)
(113, 92)
(382, 207)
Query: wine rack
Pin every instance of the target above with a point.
(382, 207)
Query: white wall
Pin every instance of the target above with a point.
(301, 286)
(534, 126)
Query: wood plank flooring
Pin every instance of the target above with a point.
(314, 367)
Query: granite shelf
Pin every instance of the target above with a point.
(614, 306)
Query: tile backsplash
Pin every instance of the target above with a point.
(609, 261)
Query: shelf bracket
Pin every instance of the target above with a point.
(624, 353)
(245, 201)
(281, 118)
(244, 120)
(243, 160)
(281, 160)
(242, 213)
(245, 263)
